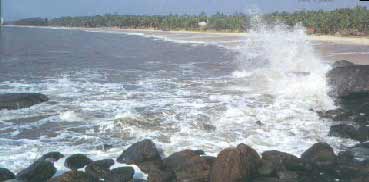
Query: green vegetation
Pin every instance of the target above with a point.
(343, 21)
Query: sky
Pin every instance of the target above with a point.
(17, 9)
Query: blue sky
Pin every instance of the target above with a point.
(16, 9)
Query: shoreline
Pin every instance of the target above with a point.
(348, 40)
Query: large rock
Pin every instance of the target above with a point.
(20, 100)
(52, 156)
(235, 164)
(5, 174)
(188, 166)
(161, 175)
(349, 80)
(100, 169)
(342, 63)
(144, 154)
(280, 161)
(39, 171)
(77, 161)
(71, 176)
(140, 152)
(348, 131)
(122, 174)
(321, 155)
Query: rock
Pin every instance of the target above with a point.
(282, 161)
(321, 155)
(140, 152)
(20, 100)
(235, 164)
(344, 131)
(98, 170)
(336, 115)
(161, 175)
(266, 168)
(287, 176)
(77, 161)
(39, 171)
(5, 174)
(188, 166)
(342, 63)
(144, 154)
(71, 176)
(363, 133)
(265, 179)
(52, 156)
(345, 157)
(349, 80)
(122, 174)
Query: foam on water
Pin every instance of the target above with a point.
(268, 102)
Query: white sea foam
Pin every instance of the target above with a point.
(268, 102)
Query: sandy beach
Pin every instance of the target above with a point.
(331, 48)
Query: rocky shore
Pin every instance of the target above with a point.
(319, 163)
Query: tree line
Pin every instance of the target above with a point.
(347, 21)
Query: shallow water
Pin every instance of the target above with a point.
(116, 88)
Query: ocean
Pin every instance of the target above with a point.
(110, 89)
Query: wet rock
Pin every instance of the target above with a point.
(20, 100)
(345, 157)
(5, 174)
(287, 176)
(161, 175)
(100, 169)
(188, 166)
(71, 176)
(122, 174)
(144, 154)
(52, 156)
(336, 115)
(266, 168)
(321, 155)
(361, 150)
(282, 161)
(349, 80)
(235, 164)
(342, 63)
(344, 131)
(39, 171)
(363, 133)
(77, 161)
(140, 152)
(265, 179)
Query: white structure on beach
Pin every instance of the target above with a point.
(203, 23)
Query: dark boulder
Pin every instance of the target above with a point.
(100, 169)
(39, 171)
(122, 174)
(20, 100)
(349, 80)
(77, 161)
(282, 161)
(144, 154)
(235, 164)
(52, 156)
(344, 131)
(71, 176)
(321, 155)
(161, 175)
(5, 174)
(265, 179)
(342, 63)
(140, 152)
(188, 166)
(363, 133)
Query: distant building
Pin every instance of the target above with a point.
(203, 24)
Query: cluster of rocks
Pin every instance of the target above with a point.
(319, 163)
(350, 88)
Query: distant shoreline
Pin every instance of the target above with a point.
(351, 40)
